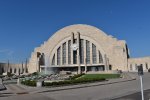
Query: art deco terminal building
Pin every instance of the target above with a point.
(80, 48)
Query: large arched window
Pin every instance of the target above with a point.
(87, 49)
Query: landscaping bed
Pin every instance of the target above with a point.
(76, 81)
(73, 80)
(106, 76)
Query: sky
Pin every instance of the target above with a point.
(26, 24)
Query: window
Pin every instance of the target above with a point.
(64, 53)
(74, 57)
(58, 56)
(10, 70)
(87, 52)
(69, 52)
(100, 57)
(94, 54)
(131, 67)
(136, 67)
(53, 60)
(42, 59)
(15, 70)
(81, 51)
(110, 67)
(146, 65)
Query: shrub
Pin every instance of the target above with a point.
(77, 81)
(9, 74)
(29, 82)
(35, 73)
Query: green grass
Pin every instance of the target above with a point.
(106, 76)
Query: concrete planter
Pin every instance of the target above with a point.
(39, 83)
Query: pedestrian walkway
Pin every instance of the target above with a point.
(12, 90)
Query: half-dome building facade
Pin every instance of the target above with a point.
(80, 49)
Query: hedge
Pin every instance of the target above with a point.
(29, 82)
(68, 82)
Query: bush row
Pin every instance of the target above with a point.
(78, 81)
(29, 82)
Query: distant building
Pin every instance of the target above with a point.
(16, 69)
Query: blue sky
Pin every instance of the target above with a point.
(26, 24)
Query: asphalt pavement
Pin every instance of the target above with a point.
(135, 96)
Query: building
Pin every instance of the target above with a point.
(80, 49)
(133, 64)
(16, 69)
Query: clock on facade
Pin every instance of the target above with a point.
(74, 47)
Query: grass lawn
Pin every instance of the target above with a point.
(106, 76)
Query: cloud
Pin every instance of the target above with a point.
(7, 52)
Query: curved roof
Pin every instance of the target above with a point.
(89, 31)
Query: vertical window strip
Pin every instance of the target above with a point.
(94, 56)
(87, 52)
(81, 51)
(58, 56)
(64, 53)
(100, 57)
(146, 65)
(130, 66)
(53, 60)
(69, 52)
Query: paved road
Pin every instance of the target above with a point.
(135, 96)
(102, 92)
